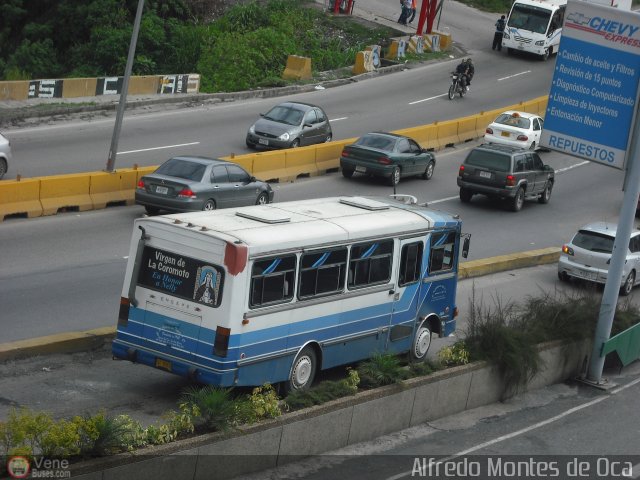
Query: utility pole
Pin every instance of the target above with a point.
(113, 151)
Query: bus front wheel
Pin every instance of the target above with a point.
(421, 343)
(303, 370)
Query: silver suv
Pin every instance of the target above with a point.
(5, 155)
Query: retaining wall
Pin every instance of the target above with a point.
(34, 197)
(334, 425)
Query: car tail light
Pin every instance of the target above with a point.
(567, 249)
(489, 131)
(522, 138)
(221, 342)
(511, 181)
(344, 153)
(461, 171)
(186, 193)
(141, 184)
(384, 160)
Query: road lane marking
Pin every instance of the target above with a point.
(158, 148)
(517, 433)
(515, 75)
(443, 200)
(560, 170)
(427, 99)
(338, 119)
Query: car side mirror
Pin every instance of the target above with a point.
(262, 114)
(547, 168)
(251, 179)
(308, 125)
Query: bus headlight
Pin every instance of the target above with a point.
(539, 43)
(505, 35)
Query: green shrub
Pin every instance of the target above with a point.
(324, 392)
(456, 354)
(216, 406)
(264, 403)
(421, 369)
(381, 369)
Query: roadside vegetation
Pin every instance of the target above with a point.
(504, 334)
(237, 46)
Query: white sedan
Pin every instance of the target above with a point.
(518, 129)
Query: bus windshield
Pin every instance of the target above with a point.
(528, 17)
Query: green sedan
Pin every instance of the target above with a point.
(387, 155)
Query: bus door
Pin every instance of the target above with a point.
(406, 295)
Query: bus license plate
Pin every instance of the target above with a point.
(263, 141)
(162, 190)
(163, 364)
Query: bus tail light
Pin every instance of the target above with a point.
(455, 312)
(221, 342)
(123, 313)
(511, 181)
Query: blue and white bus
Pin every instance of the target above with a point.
(274, 293)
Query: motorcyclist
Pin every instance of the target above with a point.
(466, 70)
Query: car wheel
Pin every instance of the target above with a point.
(532, 147)
(347, 173)
(563, 277)
(421, 343)
(627, 286)
(295, 143)
(209, 205)
(518, 200)
(328, 138)
(465, 195)
(3, 167)
(263, 199)
(303, 370)
(394, 179)
(428, 173)
(151, 210)
(546, 193)
(545, 55)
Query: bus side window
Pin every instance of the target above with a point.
(442, 248)
(410, 263)
(370, 264)
(322, 272)
(271, 280)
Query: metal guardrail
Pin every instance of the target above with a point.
(626, 344)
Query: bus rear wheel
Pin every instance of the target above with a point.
(303, 370)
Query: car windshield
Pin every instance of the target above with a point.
(511, 121)
(377, 141)
(594, 242)
(282, 114)
(490, 160)
(182, 169)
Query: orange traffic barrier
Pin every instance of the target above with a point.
(485, 118)
(447, 133)
(328, 154)
(20, 197)
(110, 188)
(60, 192)
(425, 135)
(467, 128)
(271, 166)
(301, 161)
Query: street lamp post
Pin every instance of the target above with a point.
(113, 151)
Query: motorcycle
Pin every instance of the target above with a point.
(456, 86)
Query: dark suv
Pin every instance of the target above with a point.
(505, 172)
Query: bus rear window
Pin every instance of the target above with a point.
(181, 276)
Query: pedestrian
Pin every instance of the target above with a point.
(406, 11)
(497, 37)
(414, 8)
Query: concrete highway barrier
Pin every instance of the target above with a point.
(84, 191)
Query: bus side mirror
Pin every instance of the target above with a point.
(465, 247)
